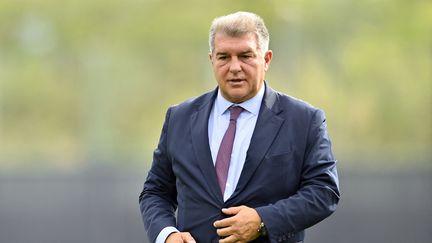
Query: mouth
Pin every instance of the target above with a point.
(236, 80)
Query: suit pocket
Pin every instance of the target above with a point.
(286, 163)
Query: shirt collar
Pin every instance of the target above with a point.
(251, 105)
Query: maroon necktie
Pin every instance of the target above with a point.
(224, 154)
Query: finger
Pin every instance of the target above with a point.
(224, 231)
(187, 237)
(223, 223)
(232, 210)
(230, 220)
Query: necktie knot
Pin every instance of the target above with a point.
(235, 112)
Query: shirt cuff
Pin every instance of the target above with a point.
(163, 235)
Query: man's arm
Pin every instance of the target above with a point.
(158, 198)
(318, 194)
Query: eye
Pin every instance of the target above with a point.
(246, 56)
(222, 57)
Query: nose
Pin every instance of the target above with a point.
(235, 66)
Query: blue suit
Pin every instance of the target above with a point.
(289, 175)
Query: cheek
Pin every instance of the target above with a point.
(221, 71)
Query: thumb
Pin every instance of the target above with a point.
(231, 210)
(187, 238)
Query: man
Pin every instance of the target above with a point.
(242, 163)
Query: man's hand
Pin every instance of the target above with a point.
(241, 227)
(180, 237)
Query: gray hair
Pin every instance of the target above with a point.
(239, 24)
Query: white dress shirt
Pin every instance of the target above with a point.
(217, 125)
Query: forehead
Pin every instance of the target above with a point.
(226, 43)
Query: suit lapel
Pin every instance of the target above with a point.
(266, 130)
(200, 141)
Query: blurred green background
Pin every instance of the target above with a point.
(89, 81)
(85, 84)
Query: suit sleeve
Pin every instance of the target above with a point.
(318, 192)
(158, 198)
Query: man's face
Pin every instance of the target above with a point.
(239, 66)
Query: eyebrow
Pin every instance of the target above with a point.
(247, 52)
(241, 53)
(221, 53)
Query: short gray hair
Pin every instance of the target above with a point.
(238, 24)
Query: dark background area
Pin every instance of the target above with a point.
(102, 206)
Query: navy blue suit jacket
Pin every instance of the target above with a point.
(289, 175)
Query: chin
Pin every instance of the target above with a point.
(237, 98)
(235, 95)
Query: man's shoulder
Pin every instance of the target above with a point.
(297, 110)
(293, 103)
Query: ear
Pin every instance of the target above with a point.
(267, 58)
(210, 57)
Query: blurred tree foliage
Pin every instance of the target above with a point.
(88, 82)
